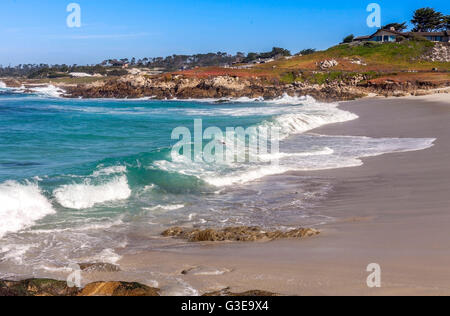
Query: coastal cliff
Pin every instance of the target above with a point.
(183, 87)
(343, 72)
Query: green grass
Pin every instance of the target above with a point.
(379, 57)
(324, 77)
(387, 52)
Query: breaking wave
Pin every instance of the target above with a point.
(86, 195)
(21, 205)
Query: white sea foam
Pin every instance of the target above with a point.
(2, 85)
(252, 174)
(48, 91)
(21, 205)
(320, 152)
(86, 195)
(165, 207)
(109, 171)
(293, 100)
(107, 256)
(15, 253)
(312, 117)
(327, 159)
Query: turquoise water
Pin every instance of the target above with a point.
(88, 180)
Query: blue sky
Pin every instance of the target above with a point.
(34, 31)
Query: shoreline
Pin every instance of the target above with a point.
(379, 211)
(390, 211)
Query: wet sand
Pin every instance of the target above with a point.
(394, 211)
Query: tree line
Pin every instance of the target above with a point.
(114, 67)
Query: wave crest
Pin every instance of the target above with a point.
(86, 195)
(21, 206)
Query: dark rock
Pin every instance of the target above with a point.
(118, 289)
(36, 287)
(47, 287)
(253, 293)
(242, 234)
(99, 267)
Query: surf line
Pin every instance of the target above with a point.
(236, 144)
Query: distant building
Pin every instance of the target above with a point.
(392, 36)
(79, 75)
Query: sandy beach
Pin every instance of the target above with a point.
(392, 211)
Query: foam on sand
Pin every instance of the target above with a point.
(21, 205)
(166, 207)
(86, 195)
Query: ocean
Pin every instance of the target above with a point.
(92, 180)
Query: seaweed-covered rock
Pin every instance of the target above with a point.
(253, 293)
(99, 267)
(36, 287)
(47, 287)
(118, 289)
(243, 234)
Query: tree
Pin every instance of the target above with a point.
(348, 39)
(427, 20)
(446, 23)
(307, 51)
(399, 27)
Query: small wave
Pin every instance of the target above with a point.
(246, 176)
(106, 256)
(15, 253)
(313, 117)
(293, 100)
(165, 207)
(86, 195)
(109, 171)
(320, 152)
(21, 206)
(49, 91)
(78, 229)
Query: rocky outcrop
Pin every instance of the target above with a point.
(99, 267)
(327, 64)
(11, 82)
(47, 287)
(241, 234)
(36, 287)
(253, 293)
(440, 53)
(174, 86)
(388, 87)
(179, 87)
(320, 85)
(118, 289)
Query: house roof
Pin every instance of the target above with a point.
(362, 37)
(406, 34)
(445, 33)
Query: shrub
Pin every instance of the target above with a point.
(118, 72)
(349, 39)
(307, 51)
(370, 44)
